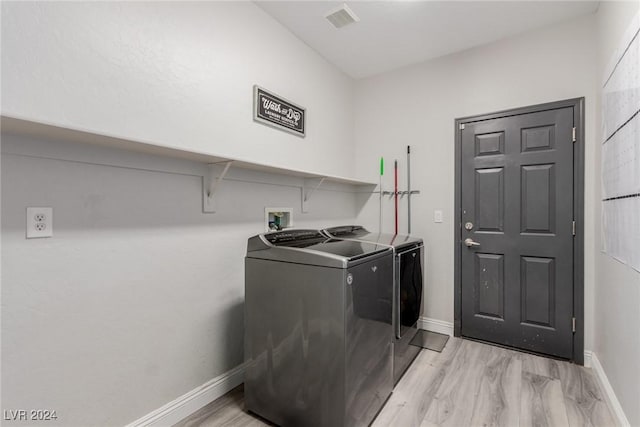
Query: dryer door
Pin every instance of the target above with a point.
(408, 290)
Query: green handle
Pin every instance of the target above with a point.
(381, 166)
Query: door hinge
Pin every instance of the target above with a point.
(573, 134)
(461, 126)
(574, 228)
(573, 324)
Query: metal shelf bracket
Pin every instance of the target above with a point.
(309, 185)
(211, 183)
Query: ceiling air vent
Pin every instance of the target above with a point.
(342, 16)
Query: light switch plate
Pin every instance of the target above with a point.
(39, 223)
(437, 216)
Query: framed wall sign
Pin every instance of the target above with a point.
(278, 112)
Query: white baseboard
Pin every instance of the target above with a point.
(435, 325)
(587, 358)
(193, 400)
(610, 395)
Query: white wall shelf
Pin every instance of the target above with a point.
(311, 180)
(38, 129)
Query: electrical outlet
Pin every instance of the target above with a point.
(437, 216)
(39, 223)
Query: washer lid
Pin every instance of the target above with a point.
(349, 249)
(359, 233)
(311, 247)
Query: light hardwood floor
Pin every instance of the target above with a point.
(468, 384)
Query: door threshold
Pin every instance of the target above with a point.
(520, 350)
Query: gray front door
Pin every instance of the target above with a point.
(516, 193)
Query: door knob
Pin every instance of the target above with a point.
(470, 243)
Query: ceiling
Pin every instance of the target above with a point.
(393, 34)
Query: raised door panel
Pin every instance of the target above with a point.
(537, 138)
(537, 281)
(489, 144)
(489, 285)
(538, 199)
(489, 199)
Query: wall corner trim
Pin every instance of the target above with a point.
(193, 400)
(605, 385)
(435, 325)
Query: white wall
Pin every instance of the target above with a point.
(617, 286)
(417, 106)
(138, 297)
(179, 74)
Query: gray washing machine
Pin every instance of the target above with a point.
(318, 329)
(407, 287)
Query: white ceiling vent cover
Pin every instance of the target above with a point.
(342, 16)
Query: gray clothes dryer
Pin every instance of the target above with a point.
(318, 329)
(407, 287)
